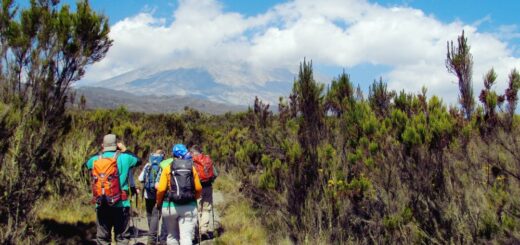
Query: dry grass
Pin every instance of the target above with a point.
(240, 221)
(70, 211)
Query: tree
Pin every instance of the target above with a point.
(261, 112)
(460, 62)
(340, 95)
(512, 95)
(379, 97)
(359, 93)
(307, 94)
(490, 99)
(43, 50)
(82, 102)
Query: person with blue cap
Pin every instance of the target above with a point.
(178, 189)
(178, 150)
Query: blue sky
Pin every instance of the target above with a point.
(403, 41)
(500, 12)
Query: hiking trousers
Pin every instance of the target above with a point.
(180, 221)
(112, 217)
(205, 207)
(153, 215)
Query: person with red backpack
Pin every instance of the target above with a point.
(207, 174)
(110, 189)
(177, 193)
(151, 171)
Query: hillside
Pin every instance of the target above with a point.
(219, 84)
(110, 99)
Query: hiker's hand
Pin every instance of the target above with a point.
(137, 191)
(121, 147)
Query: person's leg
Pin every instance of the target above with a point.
(121, 225)
(104, 230)
(170, 218)
(150, 204)
(187, 222)
(205, 214)
(164, 232)
(153, 221)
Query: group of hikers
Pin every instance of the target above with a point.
(176, 189)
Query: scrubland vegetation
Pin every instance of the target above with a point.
(333, 166)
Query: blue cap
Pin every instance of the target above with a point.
(179, 150)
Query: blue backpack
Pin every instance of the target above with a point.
(151, 175)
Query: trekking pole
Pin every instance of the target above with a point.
(198, 220)
(130, 209)
(213, 219)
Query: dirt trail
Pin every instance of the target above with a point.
(142, 226)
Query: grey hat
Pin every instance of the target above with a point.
(109, 142)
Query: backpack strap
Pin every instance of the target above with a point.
(116, 155)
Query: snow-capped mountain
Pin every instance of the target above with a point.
(206, 84)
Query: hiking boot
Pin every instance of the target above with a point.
(206, 236)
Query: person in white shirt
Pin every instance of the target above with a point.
(148, 177)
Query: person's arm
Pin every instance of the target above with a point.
(198, 186)
(143, 172)
(163, 186)
(86, 171)
(131, 180)
(89, 164)
(136, 161)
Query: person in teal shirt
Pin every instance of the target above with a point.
(116, 216)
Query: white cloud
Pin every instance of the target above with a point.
(239, 50)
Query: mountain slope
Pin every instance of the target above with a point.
(203, 83)
(108, 98)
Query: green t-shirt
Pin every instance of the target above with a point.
(125, 161)
(163, 165)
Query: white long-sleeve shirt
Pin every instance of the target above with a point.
(142, 176)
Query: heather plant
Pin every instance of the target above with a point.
(44, 49)
(459, 61)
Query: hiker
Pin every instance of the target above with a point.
(207, 174)
(109, 192)
(148, 176)
(177, 194)
(164, 232)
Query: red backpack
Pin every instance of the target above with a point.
(204, 167)
(106, 188)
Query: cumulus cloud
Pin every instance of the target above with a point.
(239, 49)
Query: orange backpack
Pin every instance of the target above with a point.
(204, 167)
(106, 188)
